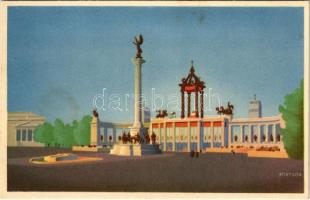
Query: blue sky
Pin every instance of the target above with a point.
(59, 58)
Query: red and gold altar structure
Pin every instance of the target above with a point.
(192, 84)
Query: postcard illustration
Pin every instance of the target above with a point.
(185, 99)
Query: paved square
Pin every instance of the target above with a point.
(175, 172)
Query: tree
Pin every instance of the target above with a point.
(44, 134)
(293, 114)
(82, 132)
(64, 135)
(68, 135)
(58, 133)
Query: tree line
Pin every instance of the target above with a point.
(60, 134)
(293, 114)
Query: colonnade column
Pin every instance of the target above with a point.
(230, 139)
(105, 135)
(266, 133)
(173, 128)
(274, 133)
(251, 126)
(114, 140)
(222, 134)
(165, 137)
(188, 137)
(199, 135)
(212, 135)
(242, 136)
(259, 133)
(159, 137)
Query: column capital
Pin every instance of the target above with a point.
(138, 61)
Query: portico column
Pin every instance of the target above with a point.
(182, 104)
(188, 137)
(201, 104)
(196, 103)
(188, 104)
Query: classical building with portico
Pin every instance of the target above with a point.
(196, 132)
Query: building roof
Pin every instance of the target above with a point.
(257, 119)
(24, 116)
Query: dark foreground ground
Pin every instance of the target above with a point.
(211, 172)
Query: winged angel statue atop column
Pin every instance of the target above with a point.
(138, 42)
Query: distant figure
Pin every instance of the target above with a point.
(197, 154)
(192, 153)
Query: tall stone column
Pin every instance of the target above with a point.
(137, 125)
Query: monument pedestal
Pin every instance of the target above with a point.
(135, 149)
(135, 131)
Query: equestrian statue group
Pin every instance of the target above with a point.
(127, 138)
